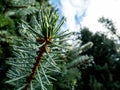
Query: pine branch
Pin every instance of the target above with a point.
(81, 60)
(39, 52)
(42, 50)
(20, 7)
(39, 41)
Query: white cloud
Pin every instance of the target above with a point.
(72, 8)
(98, 8)
(93, 10)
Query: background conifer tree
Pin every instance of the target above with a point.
(104, 74)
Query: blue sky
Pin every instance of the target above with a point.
(87, 12)
(73, 11)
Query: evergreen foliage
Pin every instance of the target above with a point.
(39, 38)
(40, 58)
(67, 79)
(104, 73)
(109, 25)
(9, 18)
(39, 53)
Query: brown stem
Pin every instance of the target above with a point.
(34, 70)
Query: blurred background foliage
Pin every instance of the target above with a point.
(104, 74)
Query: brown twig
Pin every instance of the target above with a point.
(42, 50)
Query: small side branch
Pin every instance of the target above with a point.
(36, 65)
